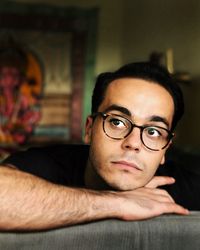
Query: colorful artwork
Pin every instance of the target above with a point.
(20, 89)
(63, 39)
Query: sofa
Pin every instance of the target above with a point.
(166, 232)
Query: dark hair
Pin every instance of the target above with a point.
(146, 71)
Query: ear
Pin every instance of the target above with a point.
(88, 130)
(163, 158)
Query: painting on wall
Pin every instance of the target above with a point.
(57, 49)
(20, 91)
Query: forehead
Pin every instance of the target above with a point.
(142, 98)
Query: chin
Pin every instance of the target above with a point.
(119, 181)
(126, 183)
(125, 186)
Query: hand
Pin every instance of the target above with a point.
(149, 201)
(157, 181)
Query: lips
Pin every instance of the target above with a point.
(126, 165)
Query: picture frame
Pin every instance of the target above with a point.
(63, 41)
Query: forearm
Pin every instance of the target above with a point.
(30, 203)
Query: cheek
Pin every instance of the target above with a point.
(155, 161)
(99, 140)
(102, 149)
(98, 158)
(151, 161)
(98, 148)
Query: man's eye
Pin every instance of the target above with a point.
(117, 123)
(153, 132)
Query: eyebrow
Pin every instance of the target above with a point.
(156, 118)
(121, 109)
(153, 118)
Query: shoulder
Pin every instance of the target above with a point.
(50, 162)
(59, 151)
(184, 167)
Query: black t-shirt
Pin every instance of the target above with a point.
(60, 164)
(65, 165)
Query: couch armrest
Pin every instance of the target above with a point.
(167, 232)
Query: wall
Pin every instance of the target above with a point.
(130, 30)
(109, 33)
(108, 51)
(159, 25)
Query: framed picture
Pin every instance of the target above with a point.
(59, 44)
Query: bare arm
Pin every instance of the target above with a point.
(30, 203)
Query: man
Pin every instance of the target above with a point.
(134, 112)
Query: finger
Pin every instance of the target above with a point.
(162, 195)
(160, 181)
(158, 195)
(174, 208)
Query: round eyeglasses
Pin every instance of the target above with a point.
(118, 127)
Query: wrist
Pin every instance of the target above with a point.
(106, 204)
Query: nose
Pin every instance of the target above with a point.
(133, 140)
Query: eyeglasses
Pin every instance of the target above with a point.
(118, 127)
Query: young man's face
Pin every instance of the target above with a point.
(127, 164)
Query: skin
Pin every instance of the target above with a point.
(127, 164)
